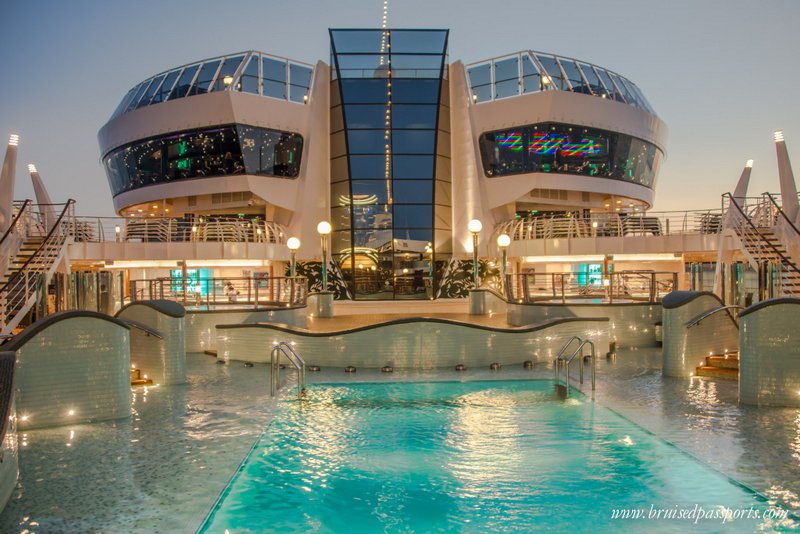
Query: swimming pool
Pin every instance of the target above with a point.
(467, 456)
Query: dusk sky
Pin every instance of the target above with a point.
(723, 74)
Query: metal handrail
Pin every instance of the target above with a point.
(752, 227)
(20, 211)
(295, 359)
(15, 293)
(782, 213)
(568, 361)
(292, 291)
(699, 319)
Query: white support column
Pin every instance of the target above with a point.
(788, 186)
(7, 184)
(42, 198)
(744, 180)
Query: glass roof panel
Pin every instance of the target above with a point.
(163, 91)
(148, 95)
(228, 69)
(355, 41)
(552, 69)
(299, 75)
(249, 82)
(139, 92)
(480, 75)
(417, 41)
(184, 82)
(506, 69)
(205, 77)
(124, 102)
(273, 69)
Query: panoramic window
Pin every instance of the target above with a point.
(203, 153)
(569, 149)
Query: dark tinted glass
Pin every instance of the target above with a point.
(415, 91)
(364, 91)
(413, 167)
(411, 66)
(367, 167)
(414, 234)
(366, 116)
(413, 191)
(138, 95)
(272, 69)
(365, 190)
(480, 75)
(413, 141)
(148, 95)
(569, 149)
(415, 41)
(163, 91)
(413, 216)
(200, 153)
(184, 82)
(506, 69)
(356, 41)
(205, 77)
(249, 80)
(413, 116)
(228, 69)
(274, 89)
(366, 141)
(299, 75)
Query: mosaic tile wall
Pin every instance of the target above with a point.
(9, 465)
(417, 345)
(75, 370)
(201, 332)
(685, 349)
(630, 325)
(769, 361)
(162, 360)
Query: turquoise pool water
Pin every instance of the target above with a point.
(471, 457)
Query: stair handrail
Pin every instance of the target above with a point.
(20, 283)
(25, 205)
(56, 227)
(788, 262)
(700, 318)
(782, 213)
(295, 359)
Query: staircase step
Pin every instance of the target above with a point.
(717, 372)
(722, 362)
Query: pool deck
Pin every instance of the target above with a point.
(162, 469)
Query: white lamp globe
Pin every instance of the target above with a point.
(293, 243)
(503, 240)
(324, 228)
(475, 226)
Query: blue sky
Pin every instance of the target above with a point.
(723, 74)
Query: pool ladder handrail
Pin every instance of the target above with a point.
(297, 362)
(568, 359)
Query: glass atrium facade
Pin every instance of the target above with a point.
(390, 169)
(220, 151)
(570, 149)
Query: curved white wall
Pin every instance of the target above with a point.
(686, 348)
(201, 327)
(162, 360)
(769, 357)
(411, 345)
(75, 370)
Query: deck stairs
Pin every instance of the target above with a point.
(724, 366)
(25, 275)
(761, 245)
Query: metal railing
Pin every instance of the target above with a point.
(172, 230)
(275, 290)
(567, 360)
(286, 349)
(642, 286)
(17, 295)
(758, 246)
(614, 225)
(700, 318)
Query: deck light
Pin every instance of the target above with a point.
(324, 228)
(31, 168)
(117, 231)
(293, 243)
(749, 164)
(227, 80)
(778, 136)
(475, 227)
(13, 140)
